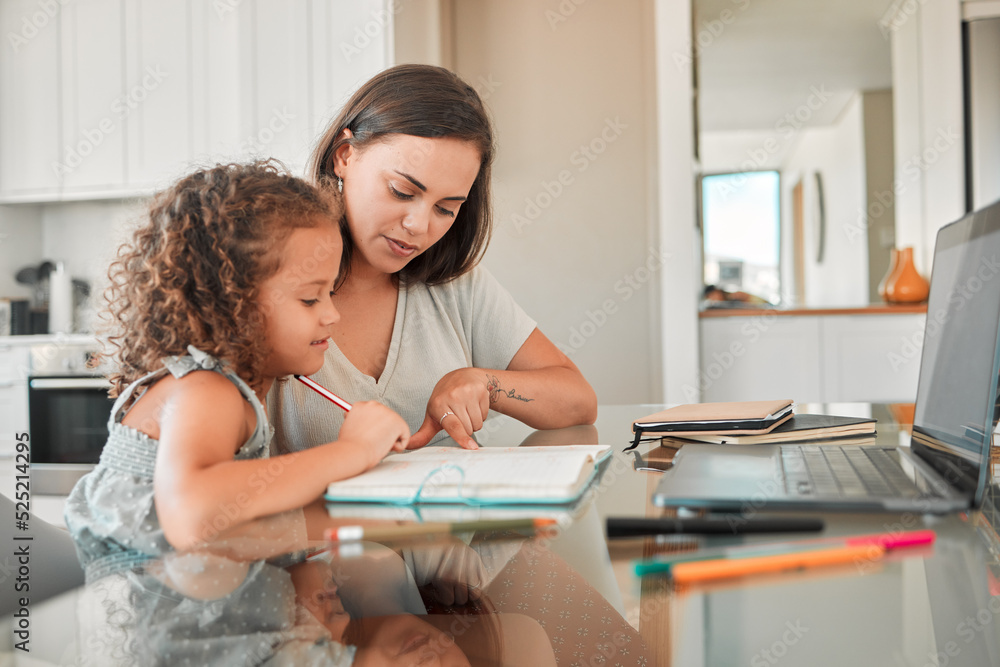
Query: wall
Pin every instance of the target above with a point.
(20, 246)
(422, 32)
(84, 235)
(928, 121)
(836, 152)
(676, 337)
(984, 109)
(571, 88)
(743, 150)
(880, 211)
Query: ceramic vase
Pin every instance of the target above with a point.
(905, 284)
(889, 276)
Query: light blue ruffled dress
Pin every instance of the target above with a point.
(133, 616)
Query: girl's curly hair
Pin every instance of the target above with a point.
(190, 275)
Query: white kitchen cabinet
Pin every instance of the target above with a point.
(118, 98)
(871, 358)
(352, 40)
(91, 69)
(30, 127)
(307, 57)
(811, 358)
(13, 396)
(215, 90)
(928, 121)
(277, 120)
(760, 357)
(156, 108)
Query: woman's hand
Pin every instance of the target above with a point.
(540, 387)
(459, 404)
(454, 573)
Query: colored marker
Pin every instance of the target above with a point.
(422, 530)
(726, 568)
(886, 541)
(323, 391)
(634, 527)
(912, 538)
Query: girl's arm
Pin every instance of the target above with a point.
(199, 489)
(540, 387)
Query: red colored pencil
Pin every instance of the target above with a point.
(323, 391)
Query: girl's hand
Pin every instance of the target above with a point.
(376, 428)
(459, 404)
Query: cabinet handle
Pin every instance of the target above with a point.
(69, 383)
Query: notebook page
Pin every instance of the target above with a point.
(439, 473)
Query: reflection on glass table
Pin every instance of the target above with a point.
(275, 592)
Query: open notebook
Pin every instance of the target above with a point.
(489, 475)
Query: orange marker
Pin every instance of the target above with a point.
(712, 570)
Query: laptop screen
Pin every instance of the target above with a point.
(956, 409)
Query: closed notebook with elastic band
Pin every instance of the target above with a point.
(735, 418)
(801, 428)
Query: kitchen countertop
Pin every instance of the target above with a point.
(871, 309)
(43, 339)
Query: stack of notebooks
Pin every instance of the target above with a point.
(751, 422)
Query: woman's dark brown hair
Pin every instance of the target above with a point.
(191, 273)
(422, 101)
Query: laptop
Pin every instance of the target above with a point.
(945, 468)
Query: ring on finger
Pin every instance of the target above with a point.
(445, 415)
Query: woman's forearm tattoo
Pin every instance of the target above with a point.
(496, 391)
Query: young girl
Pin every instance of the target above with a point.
(226, 288)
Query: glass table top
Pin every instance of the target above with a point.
(276, 592)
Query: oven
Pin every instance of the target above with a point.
(68, 410)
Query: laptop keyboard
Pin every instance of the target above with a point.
(849, 471)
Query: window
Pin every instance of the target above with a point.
(741, 223)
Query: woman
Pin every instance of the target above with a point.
(433, 335)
